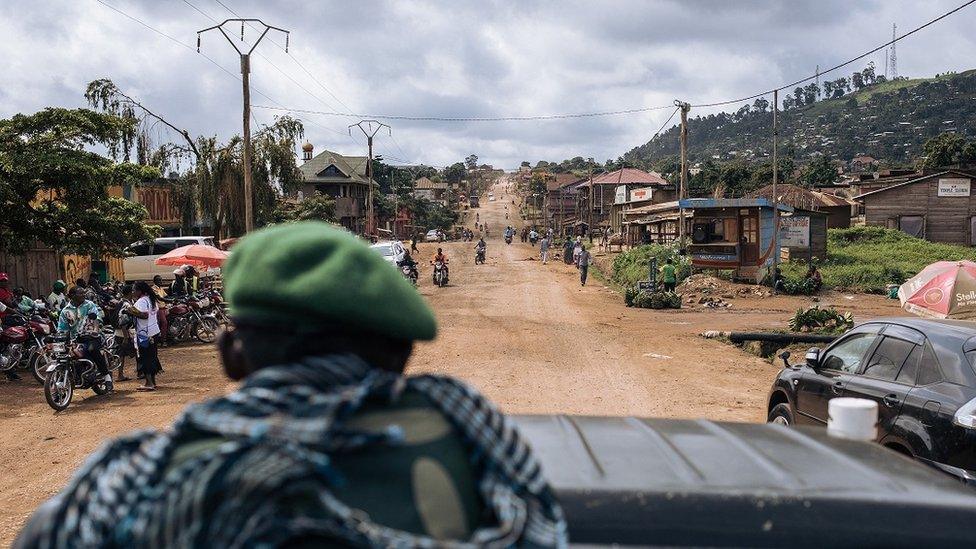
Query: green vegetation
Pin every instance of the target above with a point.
(643, 299)
(869, 258)
(631, 266)
(815, 319)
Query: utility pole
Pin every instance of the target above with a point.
(245, 80)
(370, 128)
(683, 189)
(775, 195)
(589, 201)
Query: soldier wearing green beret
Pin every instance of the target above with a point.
(325, 442)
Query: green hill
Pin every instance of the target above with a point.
(889, 121)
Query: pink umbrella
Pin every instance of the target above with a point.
(196, 255)
(945, 289)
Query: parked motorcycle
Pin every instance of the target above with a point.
(410, 273)
(13, 336)
(479, 256)
(440, 274)
(69, 370)
(188, 321)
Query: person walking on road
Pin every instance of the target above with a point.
(325, 442)
(413, 243)
(568, 250)
(583, 262)
(544, 249)
(668, 276)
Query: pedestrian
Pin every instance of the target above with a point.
(57, 299)
(568, 250)
(544, 249)
(325, 442)
(577, 249)
(583, 263)
(668, 276)
(145, 311)
(413, 243)
(125, 331)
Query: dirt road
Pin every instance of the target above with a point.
(526, 334)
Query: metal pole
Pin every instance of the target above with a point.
(245, 82)
(775, 194)
(370, 131)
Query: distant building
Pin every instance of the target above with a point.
(939, 207)
(341, 177)
(559, 204)
(863, 163)
(606, 191)
(839, 209)
(435, 191)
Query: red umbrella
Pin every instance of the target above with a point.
(945, 289)
(196, 255)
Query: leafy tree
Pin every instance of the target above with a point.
(318, 207)
(819, 171)
(867, 75)
(828, 88)
(798, 96)
(811, 92)
(788, 103)
(735, 177)
(455, 173)
(741, 113)
(761, 104)
(947, 149)
(471, 162)
(54, 190)
(857, 80)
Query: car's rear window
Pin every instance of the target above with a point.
(385, 251)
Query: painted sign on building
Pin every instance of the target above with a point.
(637, 195)
(794, 232)
(954, 187)
(159, 202)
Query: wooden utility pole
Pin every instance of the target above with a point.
(371, 128)
(683, 189)
(589, 201)
(246, 82)
(775, 193)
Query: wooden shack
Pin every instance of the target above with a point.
(938, 207)
(736, 234)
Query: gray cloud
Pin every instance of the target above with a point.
(459, 58)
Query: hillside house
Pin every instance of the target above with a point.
(939, 207)
(838, 209)
(435, 191)
(341, 177)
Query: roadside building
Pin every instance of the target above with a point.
(341, 177)
(939, 207)
(626, 200)
(559, 203)
(838, 209)
(653, 224)
(435, 191)
(736, 234)
(596, 197)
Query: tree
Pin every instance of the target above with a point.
(761, 104)
(54, 191)
(867, 75)
(798, 96)
(945, 150)
(318, 207)
(788, 103)
(739, 114)
(735, 177)
(471, 162)
(828, 88)
(857, 79)
(810, 93)
(819, 171)
(454, 173)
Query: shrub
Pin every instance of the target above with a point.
(631, 266)
(653, 300)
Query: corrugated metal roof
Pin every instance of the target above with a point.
(630, 176)
(353, 167)
(913, 181)
(425, 183)
(799, 197)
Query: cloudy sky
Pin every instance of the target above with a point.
(453, 58)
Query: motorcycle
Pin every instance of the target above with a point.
(479, 256)
(215, 306)
(69, 370)
(410, 273)
(13, 336)
(188, 321)
(440, 274)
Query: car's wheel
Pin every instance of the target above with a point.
(781, 415)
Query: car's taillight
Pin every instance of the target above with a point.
(966, 415)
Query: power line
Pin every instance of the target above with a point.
(841, 65)
(475, 118)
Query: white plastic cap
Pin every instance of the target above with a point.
(852, 418)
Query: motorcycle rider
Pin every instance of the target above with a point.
(80, 317)
(57, 299)
(407, 261)
(439, 256)
(179, 287)
(481, 248)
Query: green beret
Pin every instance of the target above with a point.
(314, 274)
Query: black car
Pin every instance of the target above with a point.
(922, 374)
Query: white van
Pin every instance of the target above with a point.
(140, 261)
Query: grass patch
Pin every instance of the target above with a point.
(866, 259)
